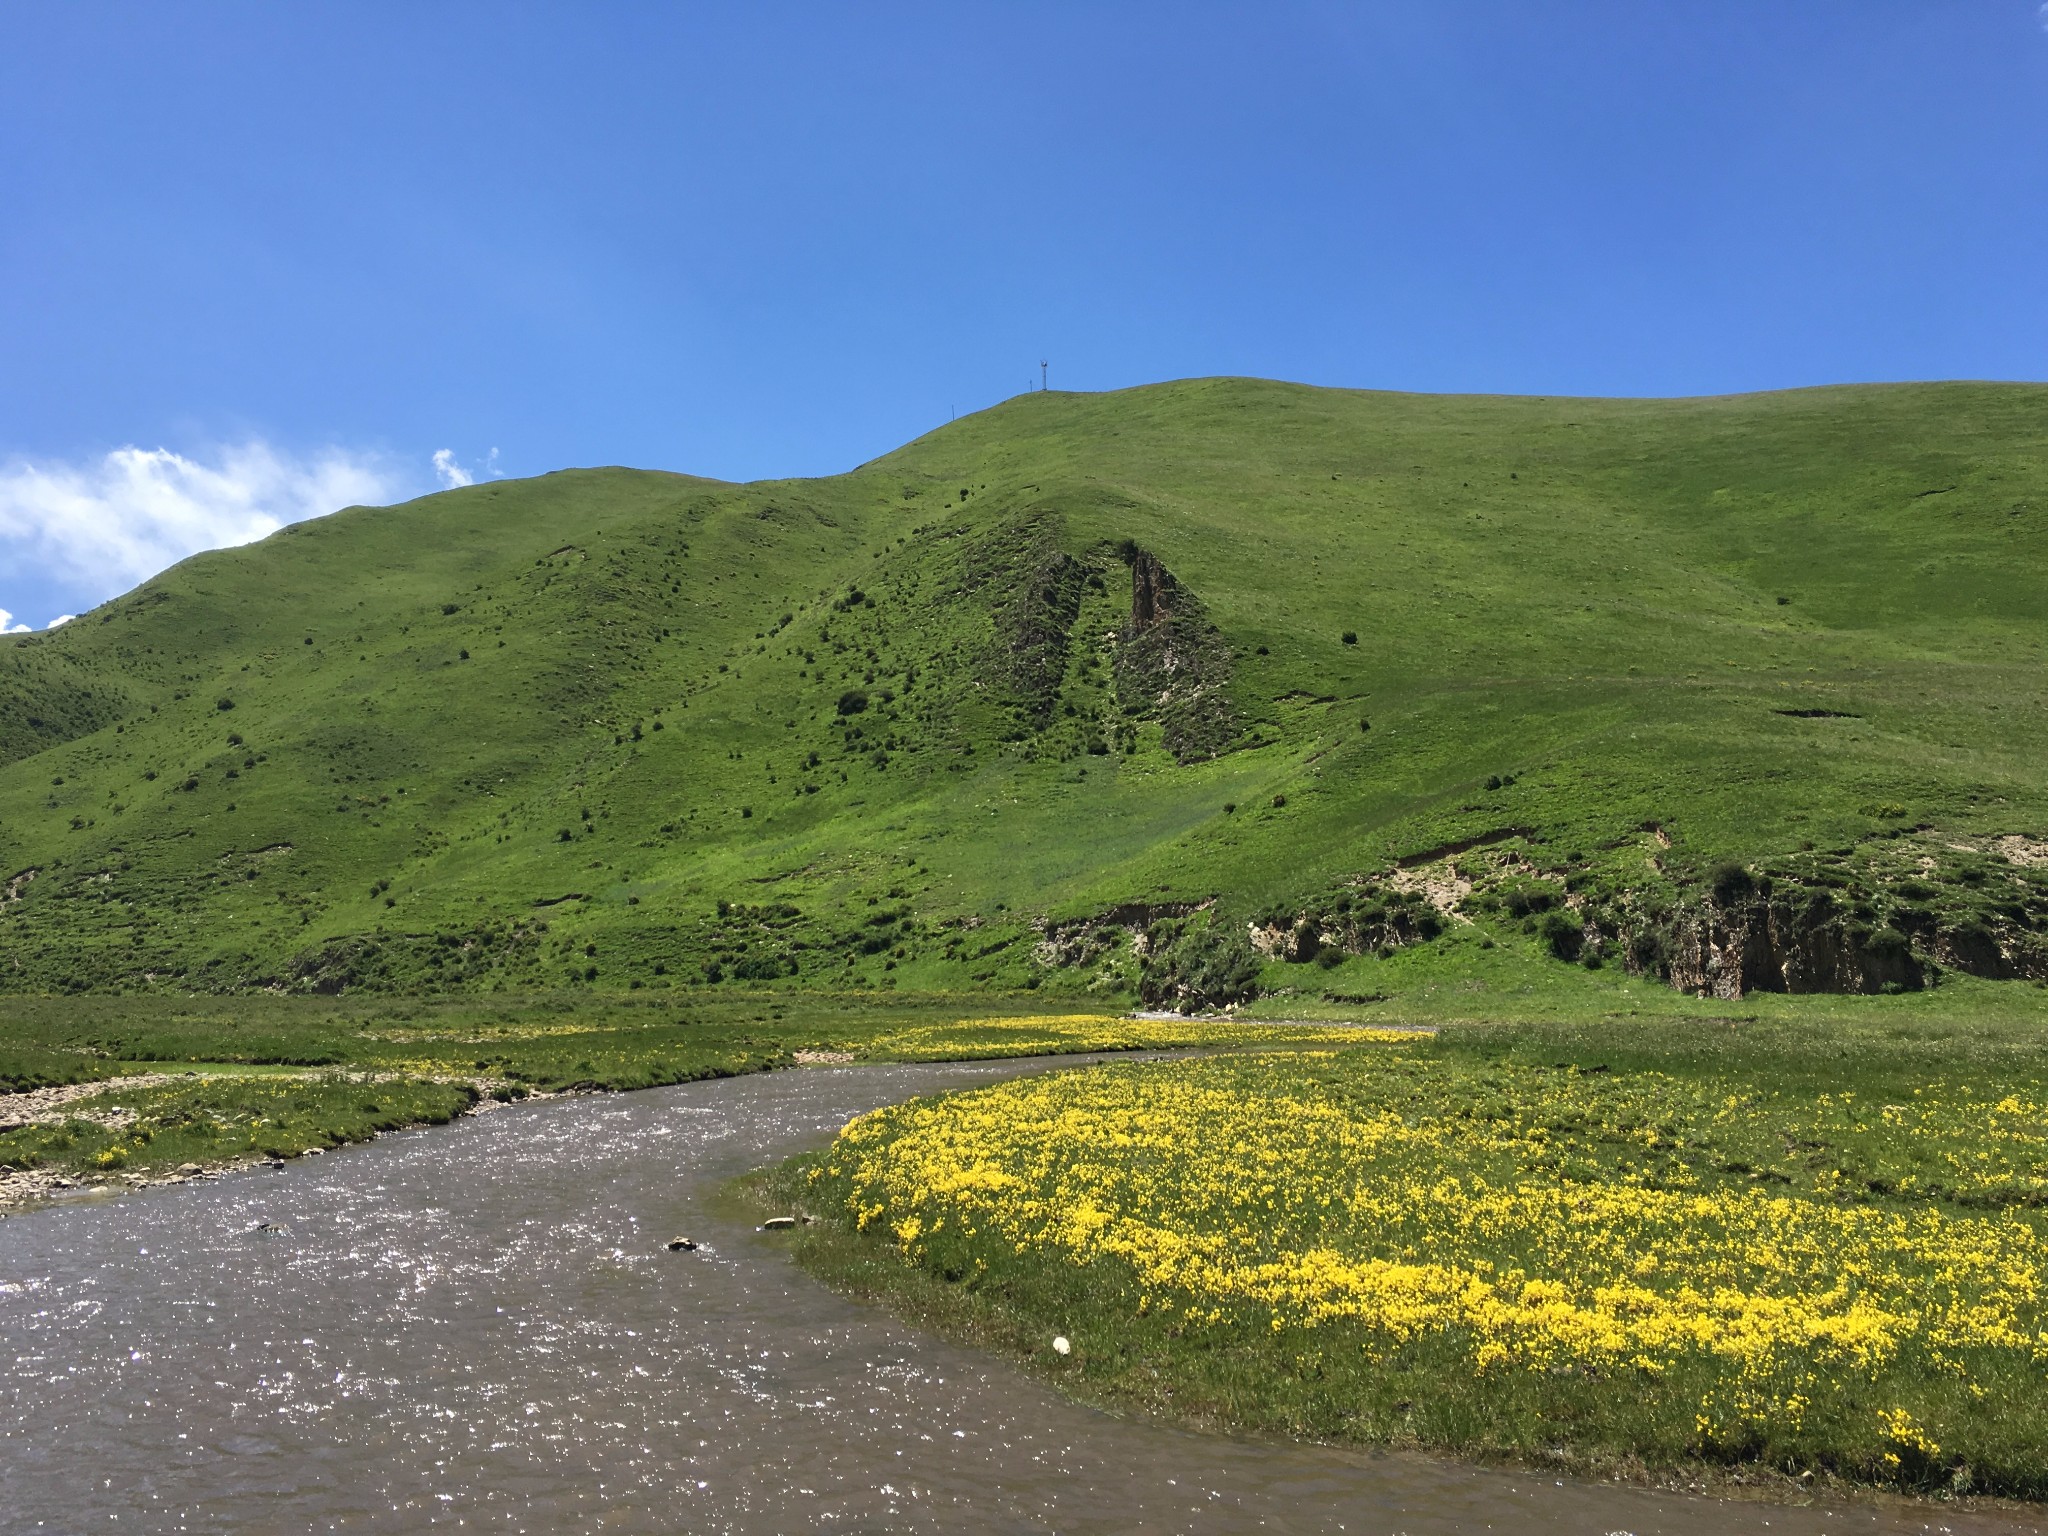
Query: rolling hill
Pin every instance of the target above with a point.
(1178, 692)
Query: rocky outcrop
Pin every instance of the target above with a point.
(1154, 592)
(1173, 664)
(1352, 922)
(1820, 933)
(1196, 962)
(1976, 950)
(1804, 943)
(1077, 941)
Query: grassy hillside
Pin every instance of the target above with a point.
(1090, 692)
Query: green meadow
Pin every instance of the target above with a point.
(1800, 1250)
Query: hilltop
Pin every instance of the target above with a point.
(1180, 693)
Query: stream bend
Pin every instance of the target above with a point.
(478, 1326)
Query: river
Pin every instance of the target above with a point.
(478, 1327)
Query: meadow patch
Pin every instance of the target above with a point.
(1422, 1247)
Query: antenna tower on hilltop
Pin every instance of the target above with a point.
(1041, 375)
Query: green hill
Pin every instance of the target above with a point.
(1180, 691)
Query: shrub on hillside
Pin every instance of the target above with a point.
(1730, 883)
(1560, 934)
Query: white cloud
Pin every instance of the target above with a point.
(104, 525)
(452, 475)
(8, 626)
(62, 618)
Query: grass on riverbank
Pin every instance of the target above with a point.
(442, 1048)
(216, 1120)
(1732, 1243)
(550, 1042)
(544, 1042)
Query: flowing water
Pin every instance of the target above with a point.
(478, 1327)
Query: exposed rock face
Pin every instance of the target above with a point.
(1763, 937)
(1173, 664)
(1786, 937)
(1806, 945)
(1153, 591)
(1977, 952)
(1194, 962)
(1387, 924)
(1735, 933)
(1081, 940)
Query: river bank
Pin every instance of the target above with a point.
(1734, 1255)
(482, 1324)
(155, 1126)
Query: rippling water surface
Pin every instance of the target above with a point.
(478, 1327)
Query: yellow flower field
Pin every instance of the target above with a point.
(1060, 1034)
(1781, 1264)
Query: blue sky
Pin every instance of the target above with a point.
(257, 260)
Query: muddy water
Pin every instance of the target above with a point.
(477, 1327)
